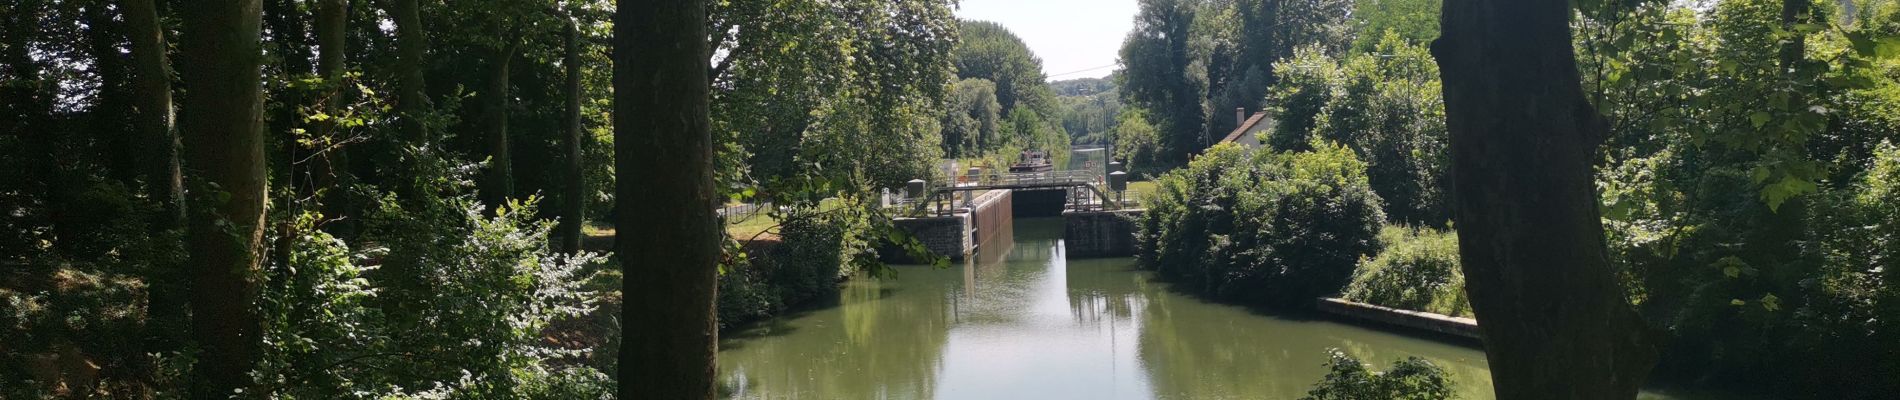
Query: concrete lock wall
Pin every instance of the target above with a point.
(1088, 234)
(947, 236)
(991, 214)
(956, 236)
(1424, 321)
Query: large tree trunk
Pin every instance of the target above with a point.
(668, 240)
(327, 155)
(499, 183)
(413, 106)
(412, 46)
(1523, 142)
(224, 150)
(573, 205)
(152, 90)
(110, 112)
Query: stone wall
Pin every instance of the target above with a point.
(946, 236)
(1089, 234)
(1448, 325)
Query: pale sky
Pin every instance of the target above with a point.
(1069, 35)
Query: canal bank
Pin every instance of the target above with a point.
(1031, 320)
(1022, 318)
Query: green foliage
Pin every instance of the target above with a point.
(1030, 130)
(989, 51)
(1730, 181)
(1416, 21)
(1270, 228)
(1159, 74)
(1190, 63)
(1090, 114)
(1305, 87)
(1387, 106)
(972, 119)
(1410, 379)
(1136, 143)
(807, 263)
(1083, 87)
(1418, 270)
(832, 91)
(454, 303)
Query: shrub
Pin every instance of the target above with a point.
(1418, 270)
(806, 264)
(1410, 379)
(447, 301)
(1270, 228)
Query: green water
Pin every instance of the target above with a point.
(1025, 323)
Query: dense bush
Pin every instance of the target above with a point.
(1267, 228)
(1384, 104)
(1410, 379)
(1742, 199)
(440, 305)
(1417, 270)
(812, 256)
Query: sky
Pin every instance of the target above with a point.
(1074, 38)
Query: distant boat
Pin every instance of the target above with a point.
(1032, 161)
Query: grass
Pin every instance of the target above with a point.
(742, 228)
(1143, 187)
(745, 227)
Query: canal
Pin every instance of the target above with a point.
(1020, 321)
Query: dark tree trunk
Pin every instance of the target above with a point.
(224, 154)
(413, 106)
(573, 204)
(1523, 141)
(412, 47)
(152, 89)
(499, 184)
(327, 155)
(668, 240)
(109, 115)
(152, 119)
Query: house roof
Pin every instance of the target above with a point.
(1245, 126)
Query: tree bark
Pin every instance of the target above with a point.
(411, 95)
(112, 106)
(573, 204)
(668, 238)
(324, 159)
(499, 184)
(1523, 142)
(224, 150)
(152, 90)
(412, 49)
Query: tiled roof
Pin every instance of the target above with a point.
(1244, 126)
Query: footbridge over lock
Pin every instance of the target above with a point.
(954, 218)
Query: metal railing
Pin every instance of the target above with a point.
(1088, 190)
(1027, 179)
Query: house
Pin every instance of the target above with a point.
(1252, 131)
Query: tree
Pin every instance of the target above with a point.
(152, 90)
(1523, 142)
(224, 152)
(970, 120)
(668, 239)
(326, 153)
(412, 47)
(1157, 75)
(989, 51)
(498, 181)
(573, 204)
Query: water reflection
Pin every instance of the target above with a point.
(1021, 321)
